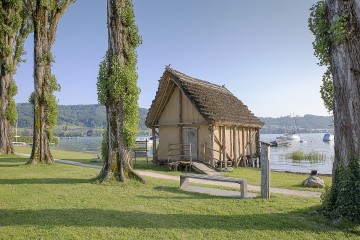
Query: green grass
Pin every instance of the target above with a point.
(253, 175)
(312, 157)
(65, 155)
(277, 179)
(84, 157)
(59, 201)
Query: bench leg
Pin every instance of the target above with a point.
(243, 188)
(184, 182)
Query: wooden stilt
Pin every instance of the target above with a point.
(224, 146)
(212, 145)
(154, 144)
(243, 141)
(235, 146)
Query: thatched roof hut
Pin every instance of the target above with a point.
(187, 110)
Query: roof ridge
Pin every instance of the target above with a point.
(184, 77)
(215, 103)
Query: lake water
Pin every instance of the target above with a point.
(81, 144)
(278, 160)
(88, 144)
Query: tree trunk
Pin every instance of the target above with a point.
(14, 29)
(118, 159)
(42, 76)
(343, 200)
(6, 146)
(345, 69)
(7, 76)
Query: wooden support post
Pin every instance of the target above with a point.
(180, 107)
(224, 147)
(235, 146)
(249, 141)
(204, 152)
(220, 148)
(181, 140)
(212, 145)
(265, 170)
(146, 152)
(243, 140)
(154, 144)
(258, 147)
(190, 157)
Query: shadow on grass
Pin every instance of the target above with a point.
(149, 166)
(83, 160)
(145, 220)
(44, 181)
(176, 190)
(12, 161)
(11, 165)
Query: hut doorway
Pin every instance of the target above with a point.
(190, 136)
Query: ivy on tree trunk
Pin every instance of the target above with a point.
(337, 34)
(118, 91)
(14, 29)
(45, 16)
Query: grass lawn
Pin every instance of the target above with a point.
(66, 155)
(253, 175)
(277, 179)
(59, 201)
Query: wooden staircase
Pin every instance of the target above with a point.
(204, 169)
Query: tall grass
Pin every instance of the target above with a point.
(300, 156)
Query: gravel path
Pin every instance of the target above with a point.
(152, 174)
(225, 184)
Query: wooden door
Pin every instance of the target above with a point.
(190, 136)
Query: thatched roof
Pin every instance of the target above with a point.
(215, 103)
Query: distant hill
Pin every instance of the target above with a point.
(94, 116)
(90, 116)
(307, 123)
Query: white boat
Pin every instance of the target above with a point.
(283, 137)
(287, 136)
(280, 143)
(293, 136)
(293, 129)
(328, 137)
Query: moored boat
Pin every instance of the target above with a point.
(293, 136)
(287, 136)
(279, 143)
(328, 137)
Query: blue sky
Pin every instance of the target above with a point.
(261, 50)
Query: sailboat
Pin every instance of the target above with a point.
(291, 136)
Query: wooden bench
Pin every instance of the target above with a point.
(184, 181)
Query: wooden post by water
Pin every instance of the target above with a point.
(265, 170)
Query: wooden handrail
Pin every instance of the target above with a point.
(181, 148)
(138, 148)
